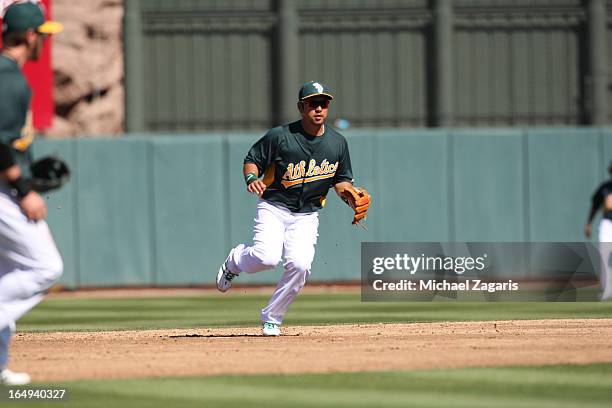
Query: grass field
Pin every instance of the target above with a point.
(74, 314)
(563, 386)
(548, 386)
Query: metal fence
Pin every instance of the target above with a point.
(200, 65)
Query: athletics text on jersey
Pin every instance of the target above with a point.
(297, 173)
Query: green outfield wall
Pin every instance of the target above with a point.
(165, 209)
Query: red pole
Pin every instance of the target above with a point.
(40, 77)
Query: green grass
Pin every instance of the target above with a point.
(562, 386)
(209, 310)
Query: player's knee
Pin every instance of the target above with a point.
(266, 259)
(299, 265)
(298, 271)
(54, 268)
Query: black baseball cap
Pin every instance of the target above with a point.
(314, 88)
(21, 17)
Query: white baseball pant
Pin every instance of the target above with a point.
(279, 233)
(605, 249)
(29, 264)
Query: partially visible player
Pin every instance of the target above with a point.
(29, 260)
(602, 198)
(292, 167)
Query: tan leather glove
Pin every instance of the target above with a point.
(359, 200)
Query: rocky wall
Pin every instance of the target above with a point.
(88, 70)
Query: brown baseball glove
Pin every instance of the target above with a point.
(359, 200)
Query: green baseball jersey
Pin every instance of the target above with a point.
(299, 169)
(15, 95)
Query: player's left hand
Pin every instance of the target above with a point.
(359, 200)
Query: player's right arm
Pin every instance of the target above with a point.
(254, 184)
(30, 202)
(258, 159)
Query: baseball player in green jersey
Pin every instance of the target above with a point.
(291, 168)
(29, 260)
(602, 199)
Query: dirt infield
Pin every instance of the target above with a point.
(310, 349)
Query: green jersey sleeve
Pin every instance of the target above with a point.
(345, 171)
(14, 104)
(263, 151)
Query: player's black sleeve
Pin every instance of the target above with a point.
(597, 199)
(345, 171)
(262, 152)
(600, 195)
(6, 157)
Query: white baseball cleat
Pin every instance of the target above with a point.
(8, 377)
(270, 329)
(224, 277)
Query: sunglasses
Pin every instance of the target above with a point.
(315, 103)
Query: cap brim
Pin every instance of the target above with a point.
(50, 27)
(330, 96)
